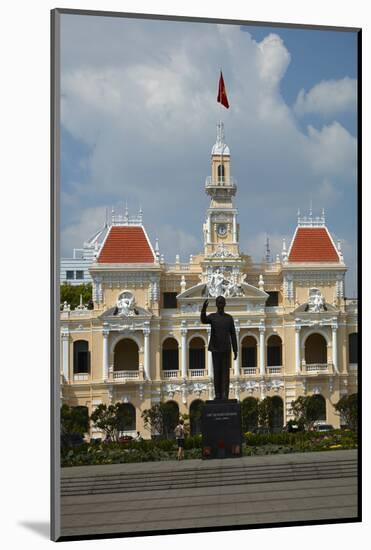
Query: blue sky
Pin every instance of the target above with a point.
(139, 117)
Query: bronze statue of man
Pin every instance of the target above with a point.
(223, 334)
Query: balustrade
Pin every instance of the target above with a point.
(170, 374)
(249, 371)
(80, 376)
(127, 374)
(274, 370)
(315, 368)
(197, 373)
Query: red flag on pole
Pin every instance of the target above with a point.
(222, 93)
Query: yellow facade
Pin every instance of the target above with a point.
(314, 348)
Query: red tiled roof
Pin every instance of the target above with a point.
(126, 245)
(312, 244)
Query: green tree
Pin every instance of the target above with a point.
(347, 406)
(249, 414)
(74, 422)
(306, 410)
(265, 412)
(112, 419)
(71, 295)
(161, 419)
(125, 417)
(195, 417)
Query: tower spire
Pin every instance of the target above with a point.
(220, 133)
(267, 251)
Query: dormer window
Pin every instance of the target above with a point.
(272, 301)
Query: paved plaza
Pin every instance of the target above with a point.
(154, 496)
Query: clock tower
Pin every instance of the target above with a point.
(221, 231)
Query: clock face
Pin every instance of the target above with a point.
(222, 230)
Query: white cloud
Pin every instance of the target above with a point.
(74, 235)
(273, 59)
(328, 98)
(332, 151)
(327, 193)
(174, 239)
(148, 116)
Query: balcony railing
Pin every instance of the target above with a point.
(249, 371)
(126, 374)
(170, 374)
(220, 181)
(176, 267)
(318, 368)
(197, 373)
(274, 370)
(80, 376)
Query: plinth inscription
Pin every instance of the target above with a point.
(221, 429)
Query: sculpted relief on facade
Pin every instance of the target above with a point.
(126, 304)
(219, 285)
(316, 301)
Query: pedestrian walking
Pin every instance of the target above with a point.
(180, 435)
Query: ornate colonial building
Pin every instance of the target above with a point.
(144, 343)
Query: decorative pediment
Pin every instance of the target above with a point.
(245, 291)
(308, 312)
(139, 313)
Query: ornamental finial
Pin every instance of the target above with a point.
(220, 133)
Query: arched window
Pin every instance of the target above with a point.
(81, 357)
(353, 348)
(277, 414)
(197, 353)
(170, 418)
(274, 352)
(127, 417)
(249, 352)
(221, 172)
(126, 355)
(315, 350)
(319, 407)
(249, 414)
(170, 354)
(195, 416)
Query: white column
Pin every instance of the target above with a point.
(184, 352)
(65, 352)
(335, 347)
(262, 350)
(105, 354)
(210, 367)
(209, 228)
(234, 228)
(210, 370)
(236, 362)
(147, 351)
(297, 349)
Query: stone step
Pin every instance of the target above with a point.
(212, 506)
(205, 477)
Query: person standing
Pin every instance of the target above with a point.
(222, 338)
(180, 436)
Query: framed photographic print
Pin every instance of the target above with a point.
(205, 362)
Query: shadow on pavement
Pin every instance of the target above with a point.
(40, 527)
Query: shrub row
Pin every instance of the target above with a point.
(154, 450)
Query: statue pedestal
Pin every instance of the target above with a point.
(221, 429)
